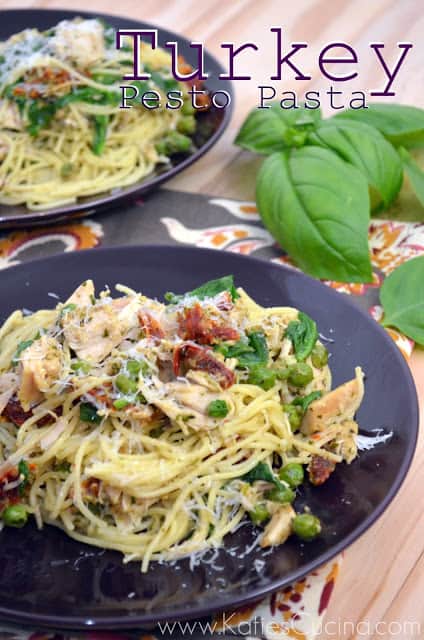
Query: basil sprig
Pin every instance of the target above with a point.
(316, 188)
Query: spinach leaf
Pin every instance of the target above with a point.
(40, 115)
(317, 207)
(402, 297)
(414, 173)
(71, 306)
(262, 471)
(208, 290)
(20, 348)
(88, 413)
(305, 401)
(89, 95)
(367, 149)
(234, 350)
(273, 129)
(41, 112)
(258, 353)
(249, 353)
(62, 467)
(303, 334)
(162, 82)
(100, 132)
(401, 124)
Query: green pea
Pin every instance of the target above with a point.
(187, 125)
(174, 142)
(294, 415)
(15, 516)
(259, 513)
(306, 526)
(81, 365)
(319, 356)
(121, 403)
(282, 374)
(134, 367)
(280, 495)
(300, 374)
(262, 377)
(187, 109)
(125, 385)
(292, 473)
(66, 169)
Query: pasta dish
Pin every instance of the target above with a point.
(63, 134)
(157, 428)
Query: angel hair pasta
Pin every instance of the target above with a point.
(62, 132)
(154, 429)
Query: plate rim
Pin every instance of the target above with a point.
(116, 622)
(108, 200)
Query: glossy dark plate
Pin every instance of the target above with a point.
(210, 125)
(48, 579)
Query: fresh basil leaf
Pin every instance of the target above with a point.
(274, 129)
(402, 298)
(317, 207)
(367, 149)
(261, 471)
(208, 290)
(414, 173)
(303, 334)
(401, 124)
(100, 132)
(305, 401)
(88, 413)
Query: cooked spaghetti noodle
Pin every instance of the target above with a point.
(155, 428)
(63, 134)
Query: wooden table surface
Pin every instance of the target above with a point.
(382, 578)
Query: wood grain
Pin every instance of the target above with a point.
(382, 580)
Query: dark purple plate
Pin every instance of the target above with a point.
(47, 579)
(210, 125)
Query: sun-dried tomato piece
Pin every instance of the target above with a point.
(101, 395)
(92, 487)
(14, 412)
(190, 356)
(150, 325)
(320, 470)
(195, 324)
